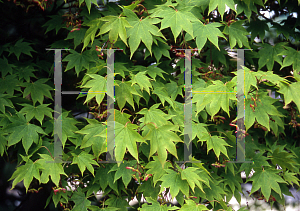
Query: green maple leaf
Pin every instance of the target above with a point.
(68, 127)
(207, 32)
(154, 115)
(142, 30)
(290, 178)
(78, 60)
(81, 201)
(292, 58)
(117, 201)
(214, 98)
(221, 6)
(91, 32)
(38, 90)
(200, 131)
(84, 161)
(249, 80)
(257, 28)
(26, 73)
(173, 181)
(26, 172)
(5, 67)
(88, 3)
(50, 168)
(191, 176)
(269, 54)
(266, 180)
(38, 112)
(192, 206)
(270, 76)
(106, 178)
(9, 84)
(162, 139)
(217, 144)
(160, 48)
(284, 159)
(121, 171)
(174, 90)
(56, 22)
(20, 129)
(177, 20)
(142, 80)
(116, 26)
(21, 47)
(90, 131)
(123, 93)
(247, 8)
(156, 206)
(237, 34)
(261, 112)
(78, 36)
(156, 169)
(148, 189)
(291, 93)
(5, 101)
(258, 161)
(162, 93)
(125, 138)
(97, 88)
(154, 71)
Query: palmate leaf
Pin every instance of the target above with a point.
(9, 84)
(84, 161)
(79, 60)
(20, 129)
(106, 179)
(116, 26)
(97, 88)
(204, 32)
(21, 47)
(38, 90)
(257, 28)
(217, 144)
(214, 97)
(81, 201)
(126, 137)
(88, 3)
(52, 168)
(156, 206)
(26, 73)
(154, 115)
(269, 54)
(266, 179)
(121, 171)
(249, 80)
(26, 172)
(5, 67)
(91, 32)
(98, 143)
(56, 22)
(291, 92)
(123, 93)
(221, 6)
(156, 169)
(284, 159)
(160, 48)
(192, 206)
(172, 180)
(177, 20)
(292, 58)
(5, 101)
(143, 30)
(261, 112)
(38, 112)
(78, 36)
(142, 80)
(162, 140)
(237, 34)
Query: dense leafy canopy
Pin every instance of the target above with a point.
(149, 103)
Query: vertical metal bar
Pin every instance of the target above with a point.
(110, 106)
(240, 137)
(188, 107)
(57, 106)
